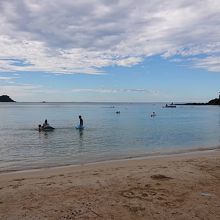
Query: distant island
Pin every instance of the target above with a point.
(215, 101)
(6, 98)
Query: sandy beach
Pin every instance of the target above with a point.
(185, 186)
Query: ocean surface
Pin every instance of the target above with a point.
(106, 136)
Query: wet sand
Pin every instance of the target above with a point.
(185, 186)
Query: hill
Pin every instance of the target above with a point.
(214, 102)
(6, 98)
(211, 102)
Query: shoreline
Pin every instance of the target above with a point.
(113, 162)
(169, 153)
(182, 186)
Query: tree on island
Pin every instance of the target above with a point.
(215, 101)
(6, 98)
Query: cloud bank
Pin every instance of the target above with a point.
(83, 36)
(27, 91)
(115, 91)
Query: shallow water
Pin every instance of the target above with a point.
(106, 136)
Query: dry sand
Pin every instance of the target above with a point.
(184, 186)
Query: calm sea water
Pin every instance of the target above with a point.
(106, 136)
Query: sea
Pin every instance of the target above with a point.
(106, 135)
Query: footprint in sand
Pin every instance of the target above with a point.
(19, 180)
(160, 177)
(138, 193)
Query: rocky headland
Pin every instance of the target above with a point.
(215, 101)
(6, 98)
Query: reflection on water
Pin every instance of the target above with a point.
(107, 135)
(80, 140)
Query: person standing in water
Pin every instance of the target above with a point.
(80, 121)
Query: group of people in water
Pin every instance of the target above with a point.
(153, 114)
(44, 126)
(47, 127)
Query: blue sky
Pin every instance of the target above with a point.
(131, 51)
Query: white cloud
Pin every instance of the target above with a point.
(212, 63)
(21, 92)
(7, 78)
(83, 36)
(17, 91)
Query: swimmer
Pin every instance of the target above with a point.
(153, 114)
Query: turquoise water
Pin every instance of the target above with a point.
(106, 136)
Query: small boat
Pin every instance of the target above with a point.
(170, 106)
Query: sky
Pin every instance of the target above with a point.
(110, 50)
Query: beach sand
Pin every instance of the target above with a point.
(185, 186)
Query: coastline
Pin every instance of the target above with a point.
(165, 153)
(178, 186)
